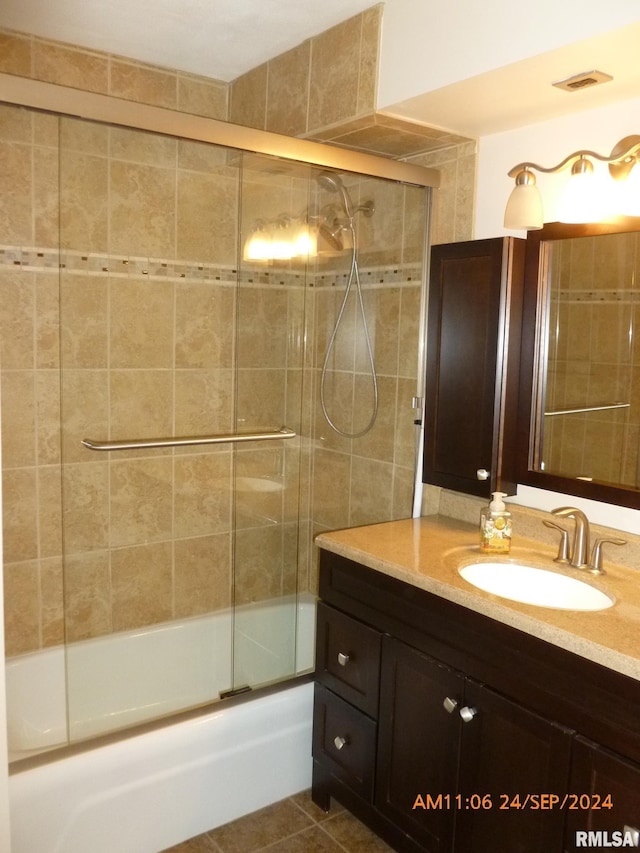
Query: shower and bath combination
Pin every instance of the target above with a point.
(340, 233)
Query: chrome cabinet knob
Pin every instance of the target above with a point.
(483, 474)
(449, 705)
(343, 659)
(468, 713)
(339, 742)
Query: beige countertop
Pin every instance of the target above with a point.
(427, 553)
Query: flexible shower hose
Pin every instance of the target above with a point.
(354, 276)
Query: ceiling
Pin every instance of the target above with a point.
(221, 39)
(523, 93)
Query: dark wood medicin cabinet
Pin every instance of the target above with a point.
(472, 365)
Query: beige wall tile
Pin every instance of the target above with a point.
(87, 595)
(16, 186)
(257, 552)
(50, 510)
(142, 218)
(335, 73)
(409, 331)
(15, 54)
(46, 198)
(331, 476)
(47, 399)
(369, 51)
(15, 123)
(262, 322)
(382, 308)
(83, 202)
(68, 66)
(21, 607)
(202, 575)
(140, 403)
(204, 157)
(203, 97)
(85, 412)
(141, 501)
(204, 325)
(142, 589)
(84, 137)
(47, 319)
(261, 398)
(206, 217)
(85, 502)
(83, 311)
(51, 585)
(19, 520)
(287, 91)
(16, 319)
(136, 146)
(371, 491)
(203, 401)
(144, 84)
(249, 98)
(203, 494)
(141, 323)
(379, 442)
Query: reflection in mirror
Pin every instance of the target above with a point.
(583, 362)
(589, 426)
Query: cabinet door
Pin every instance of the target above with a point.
(418, 744)
(605, 791)
(510, 757)
(473, 346)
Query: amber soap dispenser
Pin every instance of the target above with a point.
(495, 526)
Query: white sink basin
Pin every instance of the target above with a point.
(535, 586)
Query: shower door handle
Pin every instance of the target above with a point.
(185, 441)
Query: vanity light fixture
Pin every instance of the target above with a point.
(281, 239)
(587, 197)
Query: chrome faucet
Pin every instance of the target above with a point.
(580, 549)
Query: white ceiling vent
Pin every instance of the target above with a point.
(583, 81)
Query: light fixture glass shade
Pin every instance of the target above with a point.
(524, 208)
(587, 196)
(629, 193)
(305, 241)
(257, 247)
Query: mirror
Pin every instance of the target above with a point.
(579, 411)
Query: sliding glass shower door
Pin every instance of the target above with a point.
(180, 543)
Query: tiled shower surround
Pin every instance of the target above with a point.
(145, 334)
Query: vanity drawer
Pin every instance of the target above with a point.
(348, 658)
(344, 741)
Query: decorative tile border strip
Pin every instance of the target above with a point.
(622, 295)
(36, 259)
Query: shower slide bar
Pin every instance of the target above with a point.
(187, 441)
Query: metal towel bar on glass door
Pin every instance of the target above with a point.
(186, 441)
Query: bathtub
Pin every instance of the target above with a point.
(144, 792)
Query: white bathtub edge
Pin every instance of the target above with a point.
(150, 792)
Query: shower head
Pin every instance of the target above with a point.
(332, 234)
(333, 183)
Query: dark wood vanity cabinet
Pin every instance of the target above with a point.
(444, 730)
(610, 794)
(472, 373)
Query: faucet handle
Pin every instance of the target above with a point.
(595, 564)
(563, 547)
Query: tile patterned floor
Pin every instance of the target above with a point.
(295, 825)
